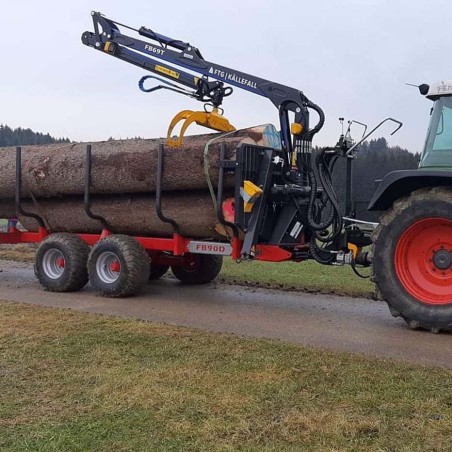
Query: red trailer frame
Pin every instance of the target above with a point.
(178, 246)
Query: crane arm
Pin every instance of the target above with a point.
(209, 86)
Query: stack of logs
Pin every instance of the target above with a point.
(123, 184)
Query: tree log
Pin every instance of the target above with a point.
(135, 215)
(123, 166)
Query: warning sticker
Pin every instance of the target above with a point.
(165, 70)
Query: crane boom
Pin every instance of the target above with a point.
(209, 86)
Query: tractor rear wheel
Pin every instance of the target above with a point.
(198, 269)
(412, 260)
(60, 264)
(118, 266)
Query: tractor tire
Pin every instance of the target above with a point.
(198, 269)
(412, 259)
(157, 271)
(60, 264)
(118, 266)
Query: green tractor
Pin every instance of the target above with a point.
(412, 255)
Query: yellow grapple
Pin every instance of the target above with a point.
(212, 120)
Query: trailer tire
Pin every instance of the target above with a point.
(412, 259)
(60, 264)
(157, 271)
(198, 269)
(118, 266)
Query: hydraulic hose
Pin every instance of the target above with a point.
(334, 217)
(321, 122)
(325, 179)
(312, 205)
(321, 256)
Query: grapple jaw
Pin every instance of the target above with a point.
(212, 120)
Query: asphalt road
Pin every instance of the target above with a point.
(355, 325)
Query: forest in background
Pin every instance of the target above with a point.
(373, 161)
(25, 137)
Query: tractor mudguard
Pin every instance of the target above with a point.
(401, 183)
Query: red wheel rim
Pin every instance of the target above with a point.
(423, 261)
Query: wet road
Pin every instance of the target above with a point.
(337, 323)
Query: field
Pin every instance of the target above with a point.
(76, 382)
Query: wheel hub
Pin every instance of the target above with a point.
(53, 263)
(115, 266)
(442, 259)
(108, 267)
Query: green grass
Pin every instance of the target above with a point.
(79, 382)
(23, 252)
(301, 276)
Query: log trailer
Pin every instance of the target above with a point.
(284, 207)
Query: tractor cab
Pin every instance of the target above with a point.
(437, 151)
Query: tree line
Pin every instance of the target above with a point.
(26, 137)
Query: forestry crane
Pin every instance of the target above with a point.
(285, 204)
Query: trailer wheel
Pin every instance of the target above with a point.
(157, 271)
(118, 266)
(412, 263)
(60, 264)
(198, 269)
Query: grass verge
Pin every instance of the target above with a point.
(301, 276)
(22, 252)
(304, 276)
(80, 382)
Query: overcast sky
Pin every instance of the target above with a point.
(351, 57)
